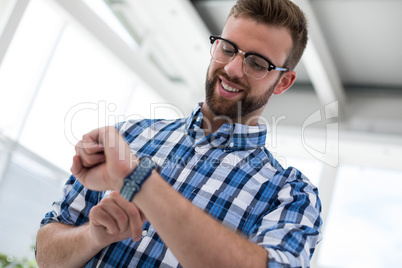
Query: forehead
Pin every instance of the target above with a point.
(272, 42)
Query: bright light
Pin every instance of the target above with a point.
(104, 12)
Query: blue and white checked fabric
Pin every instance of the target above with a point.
(229, 174)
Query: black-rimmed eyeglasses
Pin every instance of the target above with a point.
(254, 65)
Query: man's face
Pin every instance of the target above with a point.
(227, 87)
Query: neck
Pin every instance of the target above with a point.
(211, 122)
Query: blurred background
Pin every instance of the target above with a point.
(68, 66)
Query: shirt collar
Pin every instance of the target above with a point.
(230, 136)
(195, 118)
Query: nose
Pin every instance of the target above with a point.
(234, 68)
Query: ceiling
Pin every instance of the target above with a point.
(352, 59)
(358, 45)
(364, 38)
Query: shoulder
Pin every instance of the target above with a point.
(136, 127)
(289, 181)
(277, 164)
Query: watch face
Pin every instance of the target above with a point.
(147, 163)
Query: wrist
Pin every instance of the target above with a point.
(147, 189)
(125, 168)
(133, 182)
(89, 239)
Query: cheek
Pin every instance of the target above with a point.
(258, 89)
(210, 69)
(214, 67)
(265, 85)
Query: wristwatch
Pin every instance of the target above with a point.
(132, 183)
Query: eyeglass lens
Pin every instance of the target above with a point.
(253, 65)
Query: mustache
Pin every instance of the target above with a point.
(235, 81)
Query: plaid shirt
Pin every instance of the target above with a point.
(229, 174)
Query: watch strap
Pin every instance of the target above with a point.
(133, 182)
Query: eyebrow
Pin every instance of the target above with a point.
(251, 52)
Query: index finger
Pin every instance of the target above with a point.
(90, 142)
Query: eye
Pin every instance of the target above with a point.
(257, 63)
(227, 48)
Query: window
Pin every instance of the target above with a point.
(311, 168)
(363, 225)
(57, 82)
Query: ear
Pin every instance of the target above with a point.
(285, 82)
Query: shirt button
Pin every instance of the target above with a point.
(231, 144)
(144, 233)
(197, 149)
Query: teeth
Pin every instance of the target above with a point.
(228, 88)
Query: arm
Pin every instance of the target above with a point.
(113, 219)
(62, 245)
(194, 237)
(286, 234)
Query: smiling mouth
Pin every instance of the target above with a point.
(229, 88)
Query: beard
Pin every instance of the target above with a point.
(233, 108)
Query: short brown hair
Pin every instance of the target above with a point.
(282, 13)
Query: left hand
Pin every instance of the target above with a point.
(115, 219)
(102, 160)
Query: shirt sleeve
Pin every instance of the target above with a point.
(292, 228)
(74, 206)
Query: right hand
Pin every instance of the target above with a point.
(103, 159)
(115, 219)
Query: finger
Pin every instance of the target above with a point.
(90, 143)
(94, 137)
(111, 215)
(117, 209)
(93, 148)
(88, 156)
(136, 223)
(101, 217)
(133, 213)
(77, 146)
(76, 167)
(92, 160)
(143, 218)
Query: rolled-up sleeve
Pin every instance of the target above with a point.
(292, 228)
(74, 206)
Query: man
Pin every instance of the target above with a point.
(219, 198)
